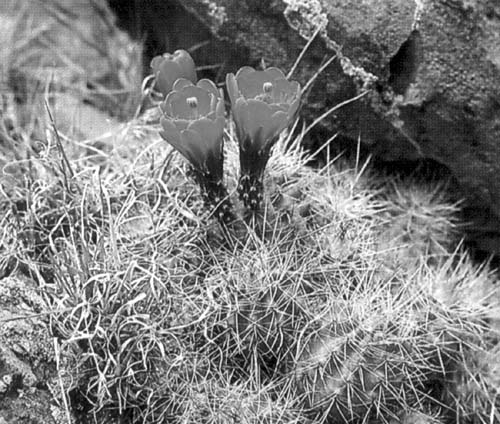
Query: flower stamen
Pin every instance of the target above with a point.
(267, 90)
(192, 102)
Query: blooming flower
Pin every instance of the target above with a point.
(263, 103)
(193, 123)
(167, 68)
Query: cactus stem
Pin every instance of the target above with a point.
(215, 195)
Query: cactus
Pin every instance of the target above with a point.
(263, 327)
(363, 365)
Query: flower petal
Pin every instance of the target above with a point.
(274, 73)
(166, 75)
(232, 88)
(187, 143)
(170, 132)
(250, 84)
(220, 123)
(186, 63)
(285, 91)
(181, 124)
(210, 133)
(209, 86)
(297, 89)
(165, 107)
(203, 97)
(176, 105)
(276, 124)
(179, 105)
(276, 107)
(155, 63)
(259, 123)
(167, 68)
(180, 83)
(192, 148)
(244, 70)
(219, 108)
(240, 118)
(259, 115)
(213, 105)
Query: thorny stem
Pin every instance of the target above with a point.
(215, 195)
(251, 191)
(253, 163)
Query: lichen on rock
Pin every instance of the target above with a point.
(26, 355)
(306, 16)
(218, 13)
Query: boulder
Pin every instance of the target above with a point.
(433, 68)
(69, 55)
(70, 46)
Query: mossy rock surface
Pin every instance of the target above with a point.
(27, 360)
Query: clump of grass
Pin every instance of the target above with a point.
(341, 301)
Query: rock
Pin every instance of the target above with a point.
(81, 121)
(68, 46)
(70, 55)
(433, 67)
(164, 26)
(27, 364)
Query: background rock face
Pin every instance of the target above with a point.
(434, 67)
(453, 108)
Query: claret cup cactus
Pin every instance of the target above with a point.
(263, 104)
(193, 123)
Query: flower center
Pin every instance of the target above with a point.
(192, 102)
(266, 96)
(267, 87)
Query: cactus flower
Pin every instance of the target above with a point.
(193, 123)
(168, 68)
(263, 104)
